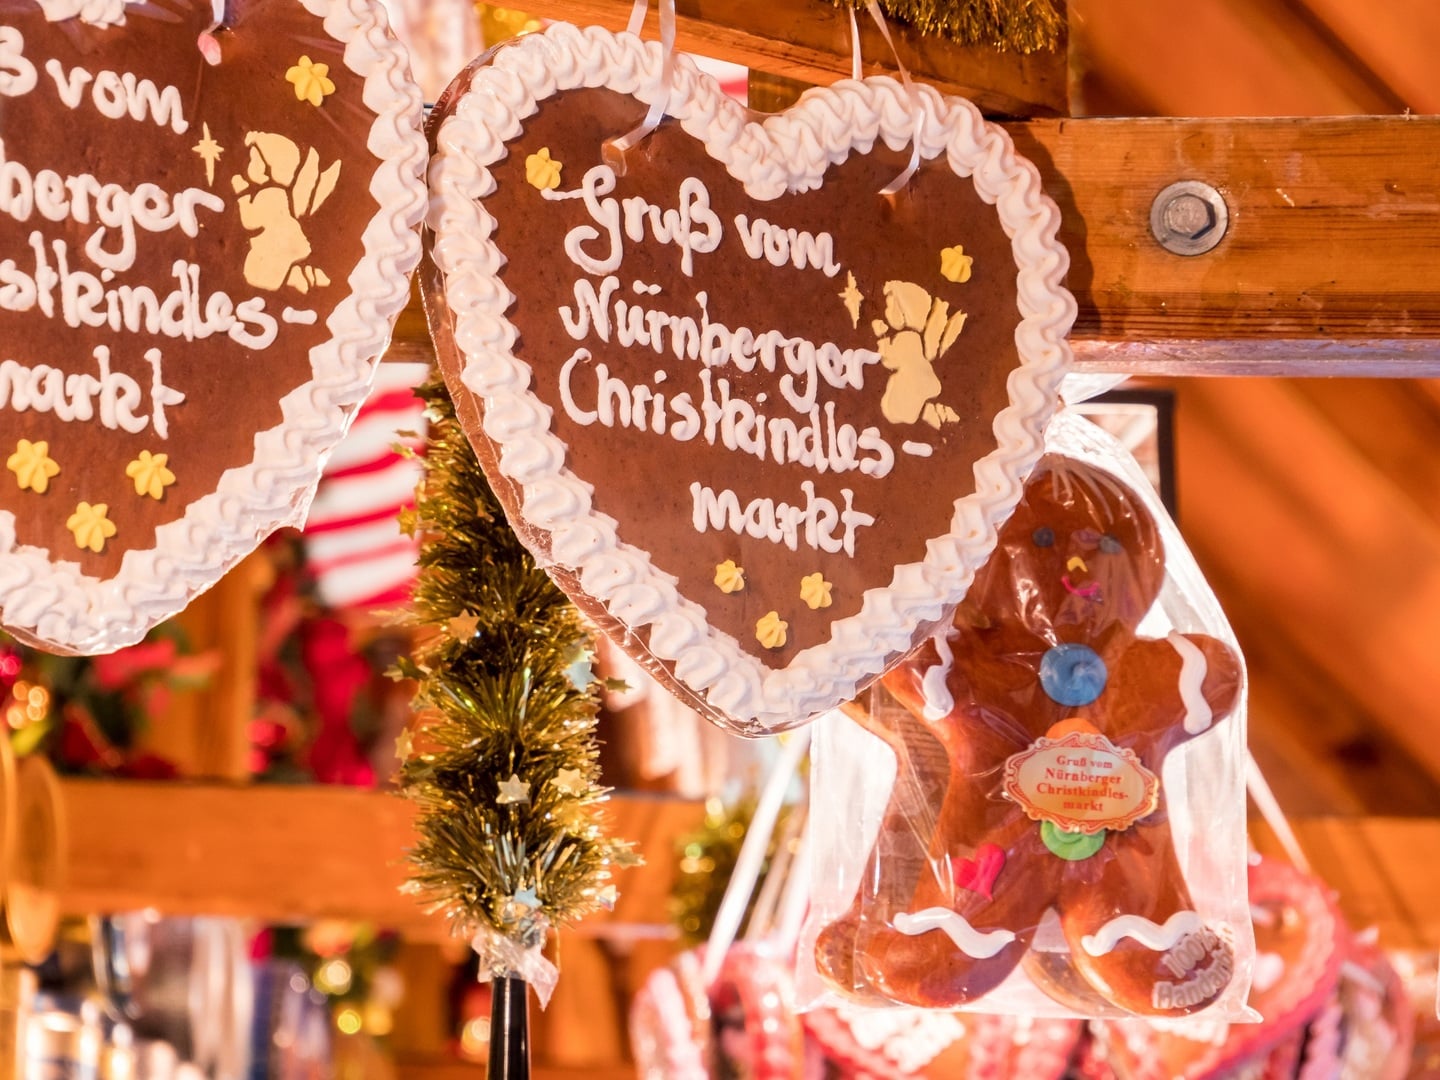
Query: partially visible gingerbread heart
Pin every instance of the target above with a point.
(1300, 942)
(758, 419)
(205, 234)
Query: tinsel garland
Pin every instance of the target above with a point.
(502, 763)
(1023, 26)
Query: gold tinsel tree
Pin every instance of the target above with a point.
(502, 762)
(1024, 26)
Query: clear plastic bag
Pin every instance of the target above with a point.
(1064, 833)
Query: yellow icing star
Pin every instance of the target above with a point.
(513, 790)
(569, 782)
(853, 298)
(815, 590)
(541, 170)
(209, 151)
(311, 81)
(91, 526)
(955, 264)
(770, 630)
(404, 745)
(729, 578)
(32, 465)
(150, 474)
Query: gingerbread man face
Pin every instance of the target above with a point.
(1043, 720)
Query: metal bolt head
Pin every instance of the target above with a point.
(1189, 218)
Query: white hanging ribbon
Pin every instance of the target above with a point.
(752, 853)
(1269, 807)
(501, 956)
(614, 149)
(911, 90)
(208, 44)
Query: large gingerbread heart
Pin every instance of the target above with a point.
(759, 419)
(206, 229)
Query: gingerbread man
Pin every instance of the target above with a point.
(1046, 722)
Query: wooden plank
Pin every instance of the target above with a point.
(295, 853)
(810, 40)
(1328, 267)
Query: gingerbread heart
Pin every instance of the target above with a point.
(759, 420)
(1300, 941)
(206, 230)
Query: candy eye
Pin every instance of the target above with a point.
(1043, 537)
(1110, 545)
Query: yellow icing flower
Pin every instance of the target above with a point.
(955, 264)
(311, 81)
(729, 577)
(150, 474)
(91, 526)
(541, 170)
(815, 590)
(770, 630)
(32, 465)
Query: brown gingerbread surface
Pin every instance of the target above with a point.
(245, 136)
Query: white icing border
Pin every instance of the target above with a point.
(54, 602)
(789, 151)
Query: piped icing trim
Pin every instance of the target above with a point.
(822, 129)
(978, 944)
(90, 12)
(1193, 669)
(62, 606)
(1149, 934)
(938, 699)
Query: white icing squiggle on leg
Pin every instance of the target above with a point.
(979, 944)
(1147, 933)
(1193, 668)
(938, 700)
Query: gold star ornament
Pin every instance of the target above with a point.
(729, 578)
(955, 265)
(542, 172)
(852, 298)
(209, 151)
(513, 791)
(770, 631)
(32, 465)
(815, 591)
(311, 81)
(570, 782)
(91, 526)
(150, 474)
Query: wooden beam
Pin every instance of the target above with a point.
(810, 40)
(285, 854)
(242, 851)
(1328, 267)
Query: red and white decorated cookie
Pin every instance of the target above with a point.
(757, 418)
(1300, 942)
(207, 223)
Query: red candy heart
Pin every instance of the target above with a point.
(979, 874)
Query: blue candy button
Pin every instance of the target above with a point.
(1072, 674)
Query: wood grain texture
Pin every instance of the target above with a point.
(1328, 266)
(284, 854)
(810, 40)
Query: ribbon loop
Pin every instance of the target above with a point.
(911, 91)
(614, 150)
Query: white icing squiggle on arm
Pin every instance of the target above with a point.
(1147, 933)
(938, 699)
(93, 12)
(1193, 668)
(979, 944)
